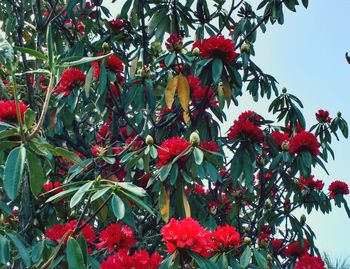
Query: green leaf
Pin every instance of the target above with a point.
(37, 251)
(138, 191)
(29, 118)
(32, 52)
(164, 172)
(99, 193)
(36, 173)
(74, 255)
(118, 207)
(305, 3)
(80, 194)
(169, 59)
(307, 158)
(198, 156)
(83, 246)
(260, 259)
(4, 250)
(138, 201)
(21, 249)
(246, 257)
(88, 81)
(216, 70)
(61, 152)
(13, 173)
(85, 60)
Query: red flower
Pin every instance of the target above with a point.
(114, 64)
(310, 262)
(71, 78)
(209, 146)
(200, 93)
(304, 141)
(277, 245)
(98, 151)
(295, 249)
(251, 116)
(8, 111)
(96, 67)
(311, 183)
(338, 188)
(225, 238)
(280, 137)
(49, 185)
(139, 260)
(116, 25)
(198, 189)
(322, 116)
(116, 236)
(174, 43)
(187, 234)
(245, 130)
(56, 232)
(217, 47)
(170, 149)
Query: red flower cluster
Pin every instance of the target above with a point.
(170, 149)
(174, 43)
(116, 25)
(200, 93)
(311, 183)
(209, 146)
(277, 245)
(225, 238)
(116, 236)
(247, 128)
(49, 185)
(114, 64)
(8, 111)
(280, 137)
(304, 141)
(338, 188)
(217, 47)
(187, 234)
(57, 231)
(322, 116)
(139, 260)
(296, 250)
(70, 79)
(310, 262)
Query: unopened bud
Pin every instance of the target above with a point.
(149, 140)
(302, 219)
(338, 114)
(269, 258)
(285, 146)
(284, 90)
(194, 139)
(245, 48)
(268, 204)
(196, 51)
(247, 240)
(105, 46)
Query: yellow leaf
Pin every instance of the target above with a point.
(170, 91)
(164, 204)
(221, 96)
(183, 91)
(186, 117)
(227, 90)
(186, 205)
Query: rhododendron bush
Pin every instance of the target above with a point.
(113, 152)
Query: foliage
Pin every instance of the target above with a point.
(111, 148)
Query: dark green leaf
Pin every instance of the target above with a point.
(118, 207)
(13, 174)
(74, 255)
(246, 257)
(21, 248)
(36, 173)
(4, 250)
(216, 70)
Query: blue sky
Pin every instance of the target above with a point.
(306, 55)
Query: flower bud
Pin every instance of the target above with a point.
(285, 146)
(284, 90)
(149, 140)
(196, 51)
(338, 114)
(247, 240)
(194, 139)
(302, 219)
(268, 204)
(269, 258)
(105, 46)
(156, 46)
(245, 48)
